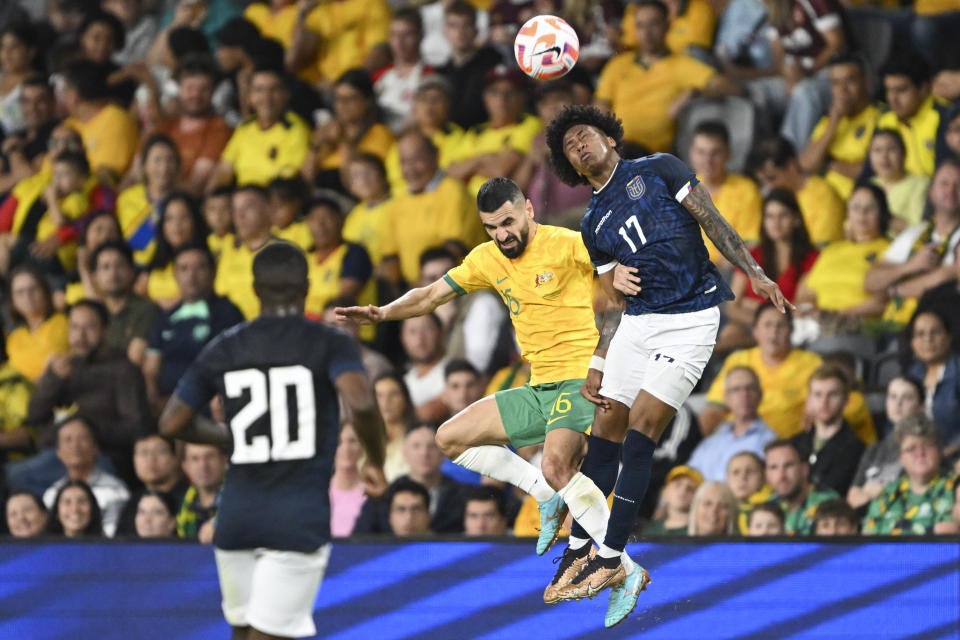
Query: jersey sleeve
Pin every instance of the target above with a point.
(343, 355)
(581, 257)
(469, 275)
(598, 259)
(356, 264)
(199, 384)
(678, 177)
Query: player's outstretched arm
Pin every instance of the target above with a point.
(416, 302)
(731, 245)
(179, 420)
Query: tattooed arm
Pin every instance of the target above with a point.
(731, 245)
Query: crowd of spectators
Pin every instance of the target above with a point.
(150, 148)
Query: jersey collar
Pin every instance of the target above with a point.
(612, 173)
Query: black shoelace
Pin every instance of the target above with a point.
(566, 560)
(595, 563)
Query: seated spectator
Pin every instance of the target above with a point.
(251, 221)
(745, 432)
(835, 518)
(785, 253)
(218, 214)
(945, 300)
(835, 285)
(713, 511)
(396, 83)
(19, 42)
(437, 208)
(288, 203)
(496, 147)
(101, 227)
(830, 446)
(75, 512)
(366, 180)
(40, 330)
(788, 473)
(880, 464)
(396, 407)
(139, 206)
(182, 332)
(408, 506)
(920, 502)
(939, 370)
(132, 317)
(921, 256)
(24, 149)
(26, 515)
(839, 142)
(337, 268)
(157, 466)
(423, 343)
(140, 28)
(374, 362)
(181, 225)
(914, 112)
(77, 450)
(156, 515)
(765, 520)
(104, 386)
(676, 498)
(692, 25)
(776, 167)
(273, 143)
(484, 512)
(735, 195)
(906, 192)
(746, 481)
(205, 465)
(352, 129)
(346, 484)
(648, 88)
(462, 386)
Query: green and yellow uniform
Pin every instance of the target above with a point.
(799, 521)
(898, 511)
(547, 290)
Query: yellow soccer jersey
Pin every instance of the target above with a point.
(823, 211)
(482, 139)
(366, 225)
(235, 277)
(258, 156)
(919, 135)
(850, 144)
(740, 202)
(297, 233)
(548, 291)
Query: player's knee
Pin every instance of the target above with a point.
(448, 441)
(557, 470)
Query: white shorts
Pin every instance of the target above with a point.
(661, 353)
(271, 591)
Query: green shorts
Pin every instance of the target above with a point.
(528, 413)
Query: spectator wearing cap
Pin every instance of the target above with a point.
(395, 83)
(468, 65)
(787, 473)
(366, 180)
(553, 201)
(23, 150)
(430, 114)
(272, 143)
(835, 518)
(352, 128)
(648, 88)
(921, 500)
(745, 432)
(675, 501)
(436, 208)
(496, 147)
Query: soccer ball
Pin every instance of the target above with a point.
(546, 47)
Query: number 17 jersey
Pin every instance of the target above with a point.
(637, 219)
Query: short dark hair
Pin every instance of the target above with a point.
(835, 508)
(413, 426)
(280, 274)
(767, 507)
(849, 57)
(185, 42)
(461, 8)
(459, 365)
(37, 501)
(831, 372)
(38, 80)
(360, 80)
(496, 192)
(236, 32)
(908, 63)
(166, 441)
(404, 484)
(713, 129)
(432, 316)
(196, 64)
(780, 443)
(77, 160)
(371, 160)
(223, 191)
(777, 150)
(75, 417)
(202, 247)
(111, 245)
(159, 139)
(96, 307)
(572, 115)
(424, 139)
(256, 189)
(267, 57)
(410, 15)
(748, 454)
(166, 499)
(656, 4)
(88, 79)
(769, 305)
(289, 189)
(99, 16)
(486, 493)
(324, 201)
(894, 135)
(436, 253)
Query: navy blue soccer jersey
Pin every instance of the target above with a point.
(636, 219)
(275, 375)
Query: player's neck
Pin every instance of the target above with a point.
(600, 179)
(282, 311)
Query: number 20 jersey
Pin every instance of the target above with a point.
(275, 375)
(637, 219)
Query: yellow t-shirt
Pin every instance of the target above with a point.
(348, 30)
(933, 7)
(547, 290)
(216, 243)
(258, 155)
(110, 138)
(740, 202)
(138, 222)
(15, 392)
(823, 211)
(695, 27)
(28, 352)
(367, 226)
(235, 277)
(838, 274)
(325, 273)
(447, 143)
(642, 96)
(907, 198)
(377, 140)
(297, 233)
(857, 414)
(482, 140)
(277, 26)
(419, 221)
(162, 286)
(919, 135)
(850, 144)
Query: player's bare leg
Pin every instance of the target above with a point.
(254, 634)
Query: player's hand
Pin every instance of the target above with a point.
(374, 481)
(768, 289)
(370, 314)
(591, 389)
(626, 280)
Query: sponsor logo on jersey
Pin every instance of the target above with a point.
(609, 213)
(543, 278)
(635, 188)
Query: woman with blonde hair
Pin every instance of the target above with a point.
(713, 511)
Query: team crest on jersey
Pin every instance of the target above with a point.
(635, 188)
(543, 278)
